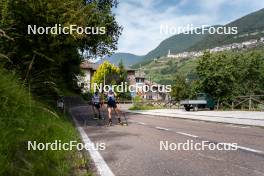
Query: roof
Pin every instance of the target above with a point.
(88, 65)
(140, 74)
(151, 83)
(130, 69)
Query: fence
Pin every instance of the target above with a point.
(251, 103)
(158, 103)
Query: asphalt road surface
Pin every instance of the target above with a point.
(134, 150)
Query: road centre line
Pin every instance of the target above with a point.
(141, 123)
(194, 136)
(251, 150)
(186, 134)
(161, 128)
(237, 126)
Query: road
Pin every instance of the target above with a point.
(252, 118)
(135, 149)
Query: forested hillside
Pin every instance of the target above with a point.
(252, 23)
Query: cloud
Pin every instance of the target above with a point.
(141, 19)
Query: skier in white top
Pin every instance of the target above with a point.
(96, 100)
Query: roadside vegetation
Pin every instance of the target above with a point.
(24, 119)
(140, 104)
(224, 75)
(163, 70)
(35, 70)
(144, 107)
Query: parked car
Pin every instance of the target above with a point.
(202, 101)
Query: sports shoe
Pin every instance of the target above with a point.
(100, 117)
(109, 124)
(95, 117)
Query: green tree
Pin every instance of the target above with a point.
(107, 74)
(47, 61)
(123, 78)
(123, 72)
(250, 78)
(180, 88)
(216, 75)
(227, 75)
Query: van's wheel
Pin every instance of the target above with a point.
(187, 108)
(211, 108)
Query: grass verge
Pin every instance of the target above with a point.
(23, 119)
(144, 107)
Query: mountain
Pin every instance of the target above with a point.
(176, 43)
(162, 70)
(247, 26)
(127, 59)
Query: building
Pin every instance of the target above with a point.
(140, 77)
(156, 95)
(88, 68)
(131, 76)
(250, 43)
(236, 46)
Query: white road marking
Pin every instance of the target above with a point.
(236, 126)
(246, 148)
(161, 128)
(245, 127)
(250, 149)
(186, 134)
(98, 160)
(141, 123)
(211, 157)
(194, 136)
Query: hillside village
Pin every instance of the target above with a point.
(234, 46)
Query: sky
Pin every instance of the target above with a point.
(141, 19)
